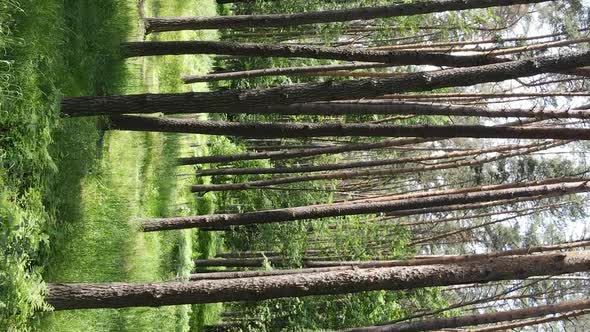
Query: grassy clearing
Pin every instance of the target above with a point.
(70, 192)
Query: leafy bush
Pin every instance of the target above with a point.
(21, 240)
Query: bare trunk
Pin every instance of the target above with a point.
(486, 95)
(386, 107)
(297, 19)
(478, 319)
(365, 173)
(358, 164)
(301, 130)
(239, 262)
(277, 71)
(393, 58)
(239, 100)
(280, 155)
(333, 210)
(532, 322)
(120, 295)
(449, 259)
(249, 274)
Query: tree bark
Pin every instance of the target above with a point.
(467, 42)
(393, 58)
(120, 295)
(333, 210)
(328, 16)
(433, 239)
(327, 266)
(475, 216)
(532, 322)
(483, 95)
(231, 101)
(461, 207)
(449, 259)
(234, 75)
(299, 130)
(239, 262)
(357, 164)
(280, 155)
(387, 107)
(478, 319)
(249, 274)
(342, 175)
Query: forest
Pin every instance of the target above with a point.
(319, 165)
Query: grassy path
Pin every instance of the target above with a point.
(77, 189)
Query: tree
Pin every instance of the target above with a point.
(368, 172)
(299, 130)
(478, 319)
(332, 210)
(278, 71)
(299, 153)
(357, 164)
(238, 100)
(345, 69)
(287, 20)
(533, 322)
(120, 295)
(393, 58)
(393, 107)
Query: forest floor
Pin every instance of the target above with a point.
(71, 192)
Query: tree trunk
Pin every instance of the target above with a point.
(357, 164)
(387, 107)
(449, 259)
(303, 130)
(342, 175)
(234, 75)
(334, 210)
(526, 211)
(249, 274)
(328, 16)
(532, 322)
(466, 42)
(481, 95)
(478, 319)
(120, 295)
(239, 262)
(280, 155)
(231, 101)
(327, 266)
(393, 58)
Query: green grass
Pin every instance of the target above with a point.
(70, 192)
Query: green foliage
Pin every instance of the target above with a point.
(21, 238)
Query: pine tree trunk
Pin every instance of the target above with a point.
(238, 100)
(120, 295)
(343, 175)
(393, 58)
(304, 130)
(334, 210)
(239, 262)
(478, 319)
(234, 75)
(499, 95)
(449, 259)
(280, 155)
(387, 107)
(249, 274)
(357, 164)
(532, 322)
(328, 16)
